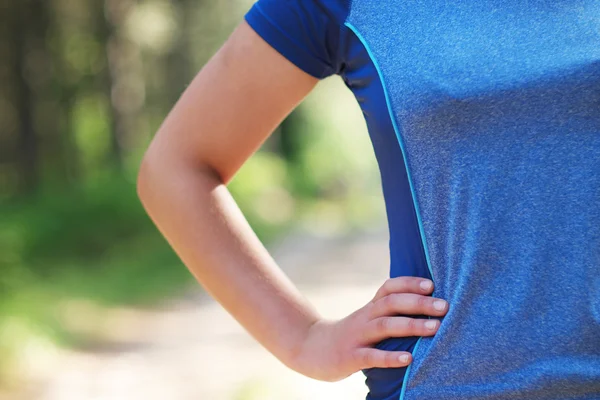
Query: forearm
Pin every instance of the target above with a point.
(198, 216)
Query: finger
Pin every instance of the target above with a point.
(366, 357)
(401, 284)
(408, 303)
(386, 327)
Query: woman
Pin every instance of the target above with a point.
(485, 119)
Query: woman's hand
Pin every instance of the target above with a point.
(334, 350)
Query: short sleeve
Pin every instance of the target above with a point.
(306, 32)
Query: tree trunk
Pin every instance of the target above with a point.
(27, 148)
(106, 35)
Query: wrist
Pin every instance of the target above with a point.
(302, 357)
(298, 337)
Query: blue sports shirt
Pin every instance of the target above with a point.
(485, 120)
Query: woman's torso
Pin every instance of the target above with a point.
(485, 119)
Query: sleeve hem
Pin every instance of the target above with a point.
(286, 46)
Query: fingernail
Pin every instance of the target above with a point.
(430, 325)
(426, 285)
(404, 358)
(439, 305)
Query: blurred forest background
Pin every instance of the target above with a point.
(84, 86)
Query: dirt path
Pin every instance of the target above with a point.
(192, 349)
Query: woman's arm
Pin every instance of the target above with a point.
(230, 108)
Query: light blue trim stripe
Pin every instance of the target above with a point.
(400, 141)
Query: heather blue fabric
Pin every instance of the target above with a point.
(485, 120)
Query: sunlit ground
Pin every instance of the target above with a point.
(191, 349)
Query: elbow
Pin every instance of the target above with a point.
(166, 167)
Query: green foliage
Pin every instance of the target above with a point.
(78, 224)
(90, 242)
(90, 124)
(261, 188)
